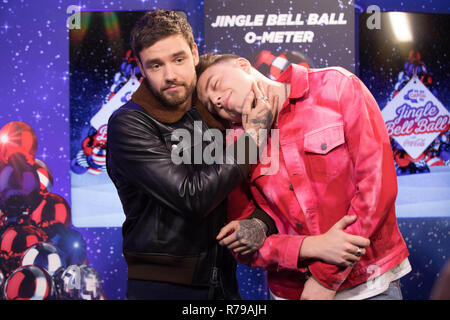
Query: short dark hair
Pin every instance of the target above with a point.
(157, 25)
(209, 59)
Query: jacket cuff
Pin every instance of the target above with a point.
(330, 276)
(289, 260)
(260, 214)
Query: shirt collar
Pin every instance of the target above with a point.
(297, 76)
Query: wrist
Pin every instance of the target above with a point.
(252, 133)
(262, 225)
(308, 250)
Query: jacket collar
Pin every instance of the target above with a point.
(154, 107)
(297, 76)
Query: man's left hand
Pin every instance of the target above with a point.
(313, 290)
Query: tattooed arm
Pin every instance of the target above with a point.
(246, 236)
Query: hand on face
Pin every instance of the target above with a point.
(259, 110)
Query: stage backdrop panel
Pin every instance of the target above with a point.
(405, 65)
(103, 76)
(272, 34)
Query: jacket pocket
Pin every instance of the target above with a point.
(326, 150)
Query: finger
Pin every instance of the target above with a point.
(349, 263)
(247, 252)
(228, 240)
(262, 90)
(353, 250)
(274, 106)
(352, 259)
(358, 241)
(265, 101)
(239, 248)
(247, 108)
(256, 90)
(349, 260)
(271, 94)
(230, 227)
(345, 221)
(237, 245)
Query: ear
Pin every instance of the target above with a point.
(244, 64)
(140, 67)
(195, 54)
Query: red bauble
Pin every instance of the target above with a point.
(53, 209)
(16, 239)
(17, 137)
(29, 283)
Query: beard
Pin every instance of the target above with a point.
(174, 99)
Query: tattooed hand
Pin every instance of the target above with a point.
(243, 236)
(262, 115)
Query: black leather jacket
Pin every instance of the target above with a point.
(173, 212)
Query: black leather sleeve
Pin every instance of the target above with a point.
(136, 151)
(260, 214)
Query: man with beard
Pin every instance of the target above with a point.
(174, 211)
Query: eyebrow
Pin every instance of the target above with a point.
(157, 60)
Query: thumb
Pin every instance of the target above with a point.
(345, 221)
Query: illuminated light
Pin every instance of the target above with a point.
(4, 138)
(6, 27)
(112, 27)
(76, 245)
(77, 35)
(401, 26)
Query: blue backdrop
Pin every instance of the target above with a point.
(34, 88)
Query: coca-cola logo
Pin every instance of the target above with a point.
(414, 143)
(417, 120)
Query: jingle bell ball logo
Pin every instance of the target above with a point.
(414, 118)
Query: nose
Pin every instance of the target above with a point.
(218, 101)
(169, 73)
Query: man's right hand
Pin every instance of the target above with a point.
(335, 246)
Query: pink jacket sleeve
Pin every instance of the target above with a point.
(279, 251)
